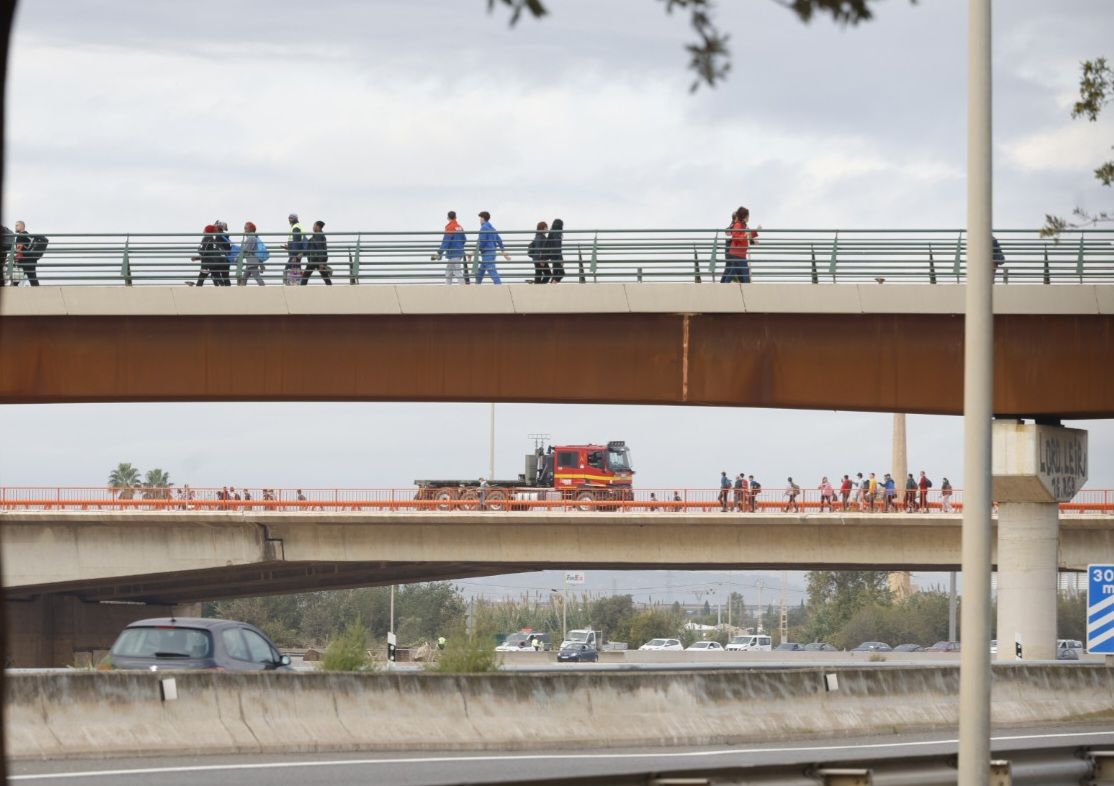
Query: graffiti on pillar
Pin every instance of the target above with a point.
(1063, 460)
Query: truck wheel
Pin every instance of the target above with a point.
(469, 500)
(585, 500)
(496, 500)
(445, 499)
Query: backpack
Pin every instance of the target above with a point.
(928, 482)
(755, 486)
(262, 253)
(35, 251)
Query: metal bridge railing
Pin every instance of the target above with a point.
(698, 500)
(593, 256)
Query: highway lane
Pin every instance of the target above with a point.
(441, 769)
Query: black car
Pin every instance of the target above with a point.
(577, 653)
(789, 646)
(194, 643)
(821, 646)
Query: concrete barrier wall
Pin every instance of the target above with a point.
(121, 713)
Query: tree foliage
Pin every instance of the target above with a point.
(125, 476)
(1096, 91)
(834, 597)
(349, 650)
(422, 612)
(709, 55)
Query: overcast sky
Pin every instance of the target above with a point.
(155, 115)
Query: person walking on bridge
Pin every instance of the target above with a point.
(452, 250)
(910, 494)
(554, 250)
(488, 242)
(890, 491)
(538, 252)
(26, 256)
(827, 493)
(724, 486)
(791, 496)
(845, 491)
(739, 239)
(295, 247)
(317, 255)
(923, 485)
(253, 249)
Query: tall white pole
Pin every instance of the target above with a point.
(491, 447)
(978, 392)
(392, 628)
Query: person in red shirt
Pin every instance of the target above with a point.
(845, 490)
(739, 239)
(923, 485)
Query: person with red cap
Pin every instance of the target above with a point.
(209, 255)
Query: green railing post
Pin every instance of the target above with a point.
(354, 264)
(1047, 269)
(958, 255)
(1079, 259)
(931, 266)
(9, 263)
(835, 256)
(125, 264)
(715, 252)
(812, 256)
(580, 263)
(595, 257)
(696, 278)
(640, 275)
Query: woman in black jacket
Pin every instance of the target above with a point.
(554, 251)
(538, 251)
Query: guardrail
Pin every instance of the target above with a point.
(592, 256)
(693, 500)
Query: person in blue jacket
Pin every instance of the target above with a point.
(452, 249)
(488, 242)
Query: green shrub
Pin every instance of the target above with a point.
(348, 651)
(467, 653)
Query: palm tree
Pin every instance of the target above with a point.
(156, 479)
(125, 476)
(156, 484)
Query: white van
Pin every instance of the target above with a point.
(759, 643)
(587, 637)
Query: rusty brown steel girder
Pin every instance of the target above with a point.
(1045, 366)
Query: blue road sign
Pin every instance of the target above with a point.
(1100, 608)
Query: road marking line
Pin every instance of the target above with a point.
(533, 757)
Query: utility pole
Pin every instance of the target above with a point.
(761, 585)
(491, 446)
(951, 606)
(783, 621)
(978, 409)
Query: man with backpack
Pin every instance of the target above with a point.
(28, 251)
(923, 485)
(295, 247)
(317, 255)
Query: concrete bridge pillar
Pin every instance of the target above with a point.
(55, 631)
(1035, 468)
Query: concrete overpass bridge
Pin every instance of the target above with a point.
(639, 318)
(72, 577)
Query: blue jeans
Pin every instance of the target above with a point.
(737, 269)
(488, 266)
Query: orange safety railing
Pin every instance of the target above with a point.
(768, 500)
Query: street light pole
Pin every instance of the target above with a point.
(978, 390)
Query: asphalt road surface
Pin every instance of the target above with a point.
(441, 769)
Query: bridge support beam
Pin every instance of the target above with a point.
(55, 631)
(1035, 467)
